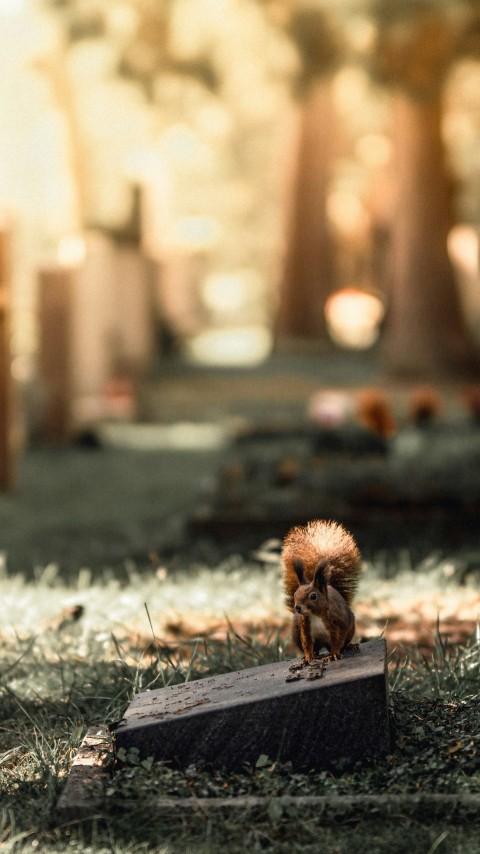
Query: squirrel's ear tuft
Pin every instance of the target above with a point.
(320, 576)
(298, 568)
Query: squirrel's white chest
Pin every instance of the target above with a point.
(318, 627)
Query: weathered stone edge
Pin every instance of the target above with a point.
(83, 797)
(84, 792)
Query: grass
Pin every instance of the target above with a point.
(72, 655)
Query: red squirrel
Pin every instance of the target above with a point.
(321, 570)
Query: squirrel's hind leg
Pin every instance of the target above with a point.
(348, 646)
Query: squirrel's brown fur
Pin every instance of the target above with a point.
(321, 558)
(321, 540)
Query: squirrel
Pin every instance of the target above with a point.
(321, 571)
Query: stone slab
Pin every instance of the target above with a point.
(83, 797)
(234, 718)
(83, 794)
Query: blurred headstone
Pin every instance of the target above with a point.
(112, 328)
(95, 307)
(55, 286)
(135, 307)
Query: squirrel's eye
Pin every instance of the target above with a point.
(312, 596)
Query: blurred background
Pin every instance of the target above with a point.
(239, 289)
(232, 186)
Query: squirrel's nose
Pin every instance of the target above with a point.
(298, 609)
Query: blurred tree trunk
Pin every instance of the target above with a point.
(308, 274)
(309, 262)
(425, 329)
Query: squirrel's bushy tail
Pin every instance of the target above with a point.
(316, 541)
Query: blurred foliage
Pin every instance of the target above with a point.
(146, 52)
(418, 40)
(318, 41)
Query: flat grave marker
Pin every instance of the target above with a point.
(84, 797)
(234, 718)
